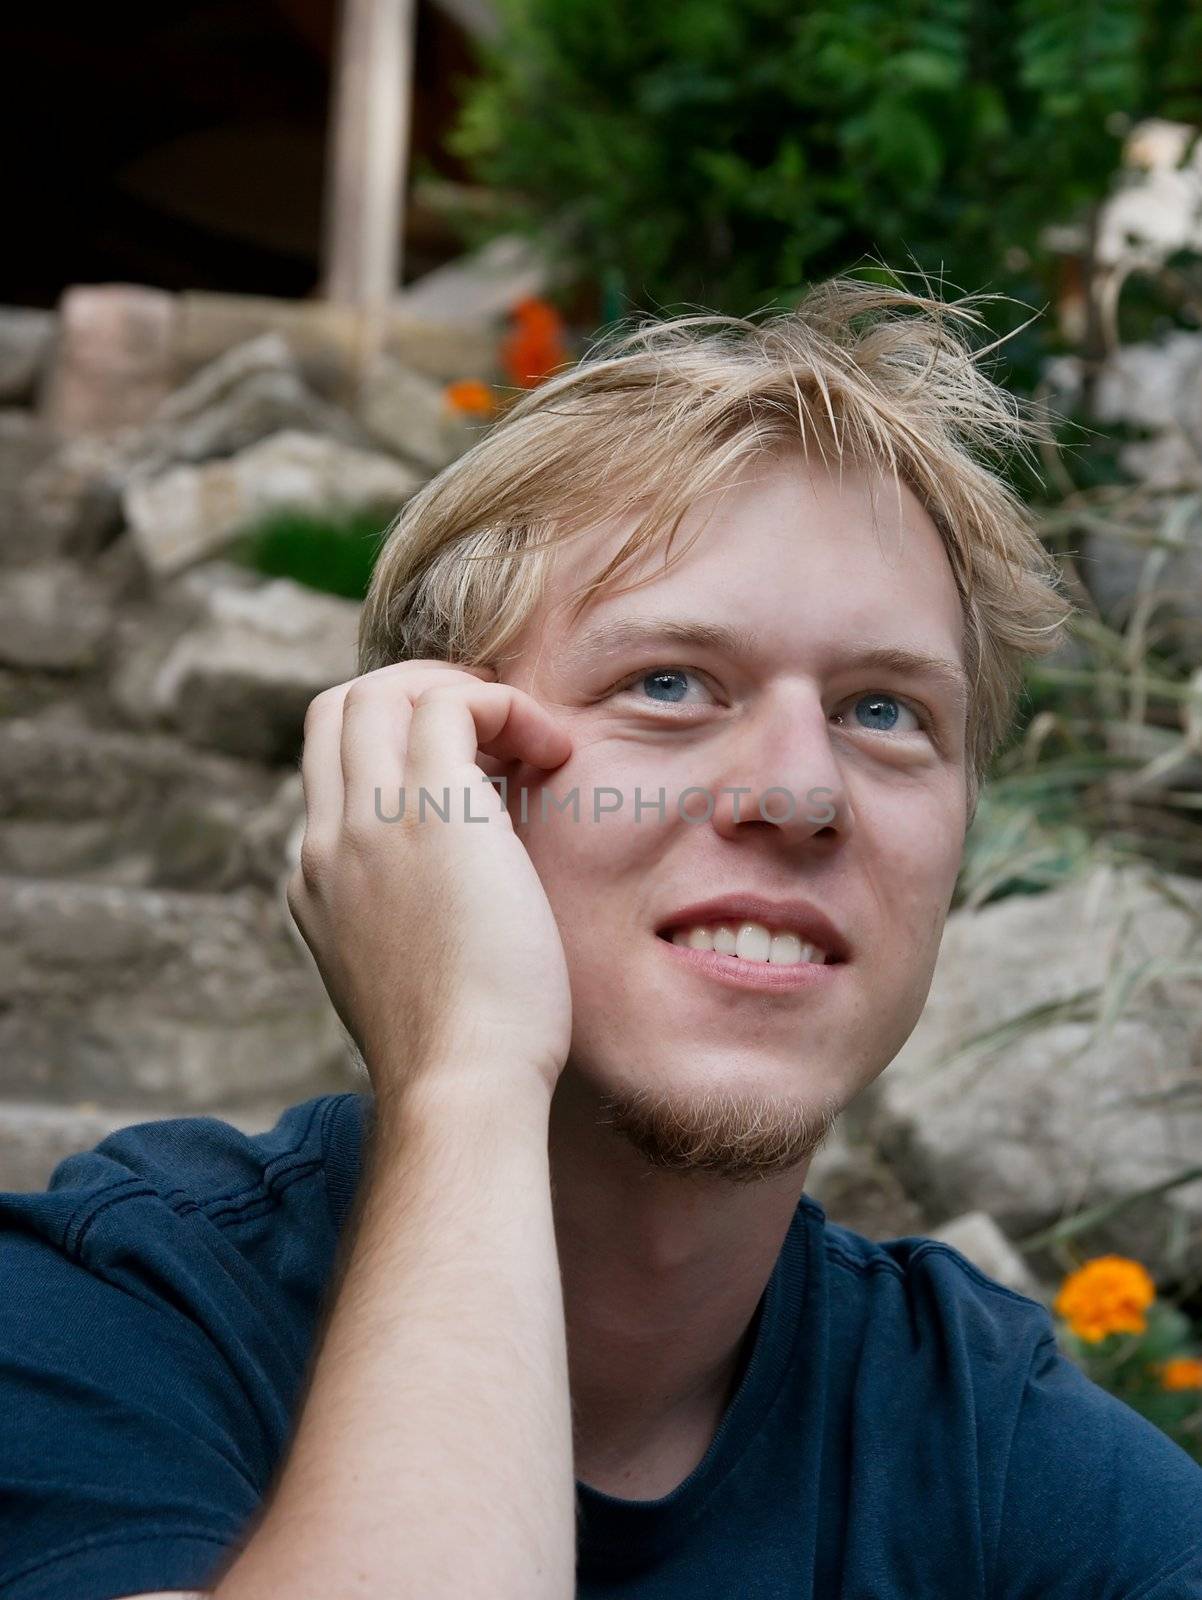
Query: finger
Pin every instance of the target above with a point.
(450, 723)
(376, 712)
(321, 765)
(400, 668)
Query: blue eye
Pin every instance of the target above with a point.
(880, 713)
(665, 686)
(669, 682)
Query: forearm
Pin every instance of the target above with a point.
(433, 1455)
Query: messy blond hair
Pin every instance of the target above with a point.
(657, 415)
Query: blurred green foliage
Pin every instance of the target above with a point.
(720, 153)
(333, 556)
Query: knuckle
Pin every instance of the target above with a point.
(359, 834)
(294, 891)
(358, 693)
(320, 705)
(434, 693)
(313, 865)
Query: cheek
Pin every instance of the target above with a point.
(917, 849)
(579, 843)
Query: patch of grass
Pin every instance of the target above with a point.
(335, 556)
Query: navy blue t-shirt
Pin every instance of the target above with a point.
(904, 1428)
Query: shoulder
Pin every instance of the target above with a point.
(1092, 1483)
(198, 1167)
(1070, 1477)
(157, 1308)
(186, 1229)
(920, 1284)
(199, 1157)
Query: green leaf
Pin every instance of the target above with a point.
(925, 69)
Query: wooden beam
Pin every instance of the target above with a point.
(368, 153)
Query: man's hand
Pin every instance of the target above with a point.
(434, 938)
(438, 1395)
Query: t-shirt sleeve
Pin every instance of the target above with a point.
(1100, 1504)
(148, 1367)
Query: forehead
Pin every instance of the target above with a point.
(788, 553)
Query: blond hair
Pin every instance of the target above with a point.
(655, 416)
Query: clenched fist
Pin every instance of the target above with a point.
(434, 939)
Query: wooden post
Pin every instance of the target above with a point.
(367, 160)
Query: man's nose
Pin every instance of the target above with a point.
(780, 770)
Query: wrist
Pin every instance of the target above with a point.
(452, 1098)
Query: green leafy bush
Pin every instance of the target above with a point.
(721, 153)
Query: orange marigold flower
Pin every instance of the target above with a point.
(471, 397)
(1107, 1295)
(1183, 1372)
(536, 346)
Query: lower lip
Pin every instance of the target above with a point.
(762, 975)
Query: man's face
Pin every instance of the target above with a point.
(702, 1071)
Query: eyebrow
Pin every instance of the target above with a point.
(608, 638)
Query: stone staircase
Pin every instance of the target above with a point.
(150, 813)
(152, 702)
(148, 966)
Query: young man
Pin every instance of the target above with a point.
(626, 865)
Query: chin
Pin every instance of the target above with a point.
(736, 1126)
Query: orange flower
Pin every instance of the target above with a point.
(536, 346)
(1107, 1295)
(1183, 1372)
(470, 397)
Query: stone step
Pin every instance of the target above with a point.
(165, 997)
(108, 805)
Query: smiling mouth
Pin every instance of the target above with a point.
(751, 943)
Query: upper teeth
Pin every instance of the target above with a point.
(750, 941)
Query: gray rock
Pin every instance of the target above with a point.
(28, 693)
(241, 679)
(53, 616)
(68, 500)
(1118, 570)
(327, 339)
(408, 413)
(172, 998)
(25, 443)
(481, 286)
(26, 337)
(191, 512)
(70, 504)
(139, 809)
(1165, 760)
(1075, 1108)
(113, 358)
(1158, 387)
(150, 628)
(272, 834)
(85, 851)
(1154, 385)
(248, 394)
(1166, 464)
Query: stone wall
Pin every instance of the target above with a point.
(153, 692)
